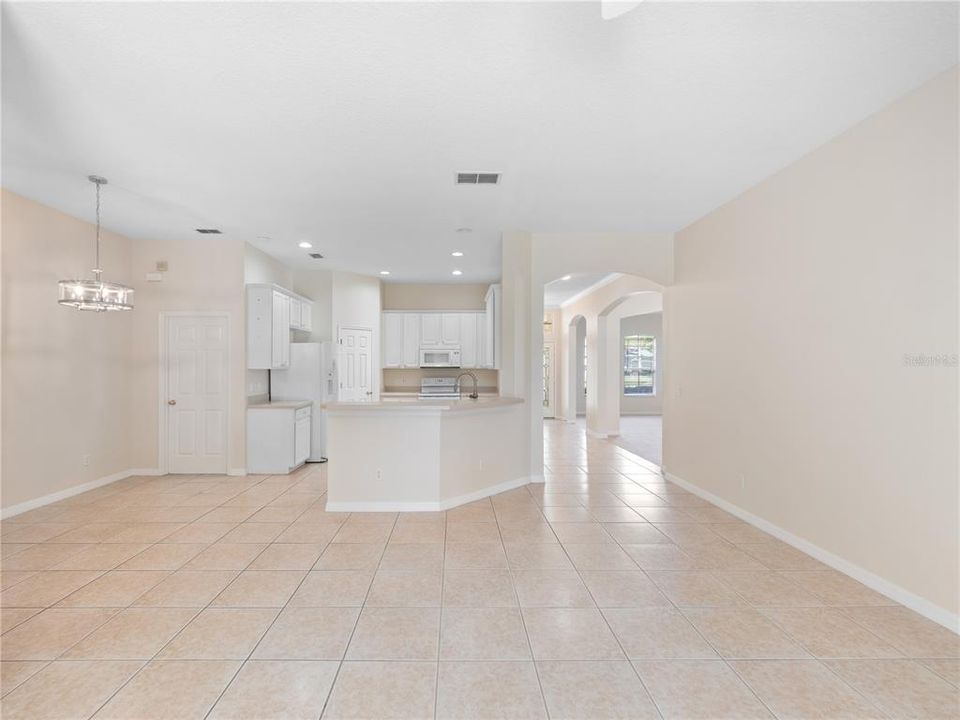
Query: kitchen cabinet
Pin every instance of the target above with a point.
(306, 315)
(410, 355)
(492, 336)
(404, 333)
(430, 329)
(272, 311)
(469, 355)
(450, 329)
(393, 340)
(278, 437)
(295, 305)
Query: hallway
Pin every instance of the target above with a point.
(642, 435)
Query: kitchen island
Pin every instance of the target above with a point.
(405, 454)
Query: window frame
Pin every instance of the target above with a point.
(637, 340)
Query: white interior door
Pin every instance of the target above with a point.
(197, 387)
(356, 364)
(549, 382)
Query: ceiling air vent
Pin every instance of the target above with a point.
(316, 256)
(478, 178)
(208, 231)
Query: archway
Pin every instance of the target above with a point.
(575, 400)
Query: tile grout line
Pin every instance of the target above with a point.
(187, 624)
(516, 595)
(366, 595)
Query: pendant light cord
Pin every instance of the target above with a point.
(98, 270)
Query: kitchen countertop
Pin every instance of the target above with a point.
(280, 405)
(410, 403)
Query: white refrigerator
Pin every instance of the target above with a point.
(310, 376)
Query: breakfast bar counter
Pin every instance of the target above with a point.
(406, 454)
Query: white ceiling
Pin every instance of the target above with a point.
(558, 292)
(344, 124)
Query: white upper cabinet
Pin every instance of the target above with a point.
(410, 356)
(450, 328)
(491, 348)
(393, 340)
(281, 330)
(306, 315)
(469, 355)
(430, 329)
(295, 305)
(272, 312)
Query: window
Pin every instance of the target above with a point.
(639, 365)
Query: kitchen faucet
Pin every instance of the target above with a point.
(474, 395)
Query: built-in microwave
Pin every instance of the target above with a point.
(439, 357)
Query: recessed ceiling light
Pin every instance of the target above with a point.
(566, 277)
(458, 272)
(384, 272)
(457, 253)
(305, 245)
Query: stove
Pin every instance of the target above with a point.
(438, 388)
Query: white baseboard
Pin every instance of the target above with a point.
(929, 610)
(390, 506)
(597, 435)
(237, 472)
(23, 507)
(537, 479)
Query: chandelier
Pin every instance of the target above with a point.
(96, 295)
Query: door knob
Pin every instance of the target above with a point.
(171, 402)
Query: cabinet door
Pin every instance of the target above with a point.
(301, 443)
(481, 335)
(393, 340)
(306, 315)
(430, 329)
(450, 328)
(281, 330)
(488, 322)
(294, 313)
(410, 357)
(468, 340)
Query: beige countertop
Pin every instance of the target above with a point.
(280, 405)
(410, 403)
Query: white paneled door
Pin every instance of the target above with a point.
(355, 368)
(197, 387)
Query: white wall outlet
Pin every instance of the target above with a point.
(379, 474)
(85, 460)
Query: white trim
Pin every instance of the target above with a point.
(598, 435)
(151, 472)
(162, 450)
(71, 491)
(237, 472)
(586, 291)
(428, 506)
(929, 610)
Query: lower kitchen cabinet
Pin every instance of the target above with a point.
(278, 437)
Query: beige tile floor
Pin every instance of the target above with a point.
(604, 593)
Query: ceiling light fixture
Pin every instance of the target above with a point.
(96, 295)
(457, 272)
(457, 253)
(305, 245)
(384, 272)
(566, 277)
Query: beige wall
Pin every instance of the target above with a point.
(188, 285)
(65, 373)
(434, 296)
(794, 310)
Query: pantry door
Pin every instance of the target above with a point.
(196, 392)
(355, 368)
